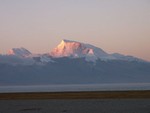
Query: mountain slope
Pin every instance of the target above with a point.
(21, 52)
(75, 49)
(66, 48)
(75, 71)
(71, 62)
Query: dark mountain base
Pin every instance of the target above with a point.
(75, 71)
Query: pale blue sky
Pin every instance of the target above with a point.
(39, 25)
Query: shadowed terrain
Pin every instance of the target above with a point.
(78, 95)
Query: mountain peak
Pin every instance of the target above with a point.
(66, 48)
(67, 41)
(76, 49)
(21, 52)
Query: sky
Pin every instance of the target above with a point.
(116, 26)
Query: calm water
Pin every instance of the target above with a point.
(78, 87)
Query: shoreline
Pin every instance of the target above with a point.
(135, 94)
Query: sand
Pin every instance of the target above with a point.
(76, 106)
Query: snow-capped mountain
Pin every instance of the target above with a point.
(75, 49)
(118, 56)
(67, 48)
(20, 52)
(41, 58)
(71, 62)
(25, 55)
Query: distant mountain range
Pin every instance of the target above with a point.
(71, 62)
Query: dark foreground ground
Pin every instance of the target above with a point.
(76, 106)
(76, 102)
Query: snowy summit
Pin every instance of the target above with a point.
(70, 49)
(76, 49)
(21, 52)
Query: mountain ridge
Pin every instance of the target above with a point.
(75, 63)
(70, 49)
(22, 52)
(92, 53)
